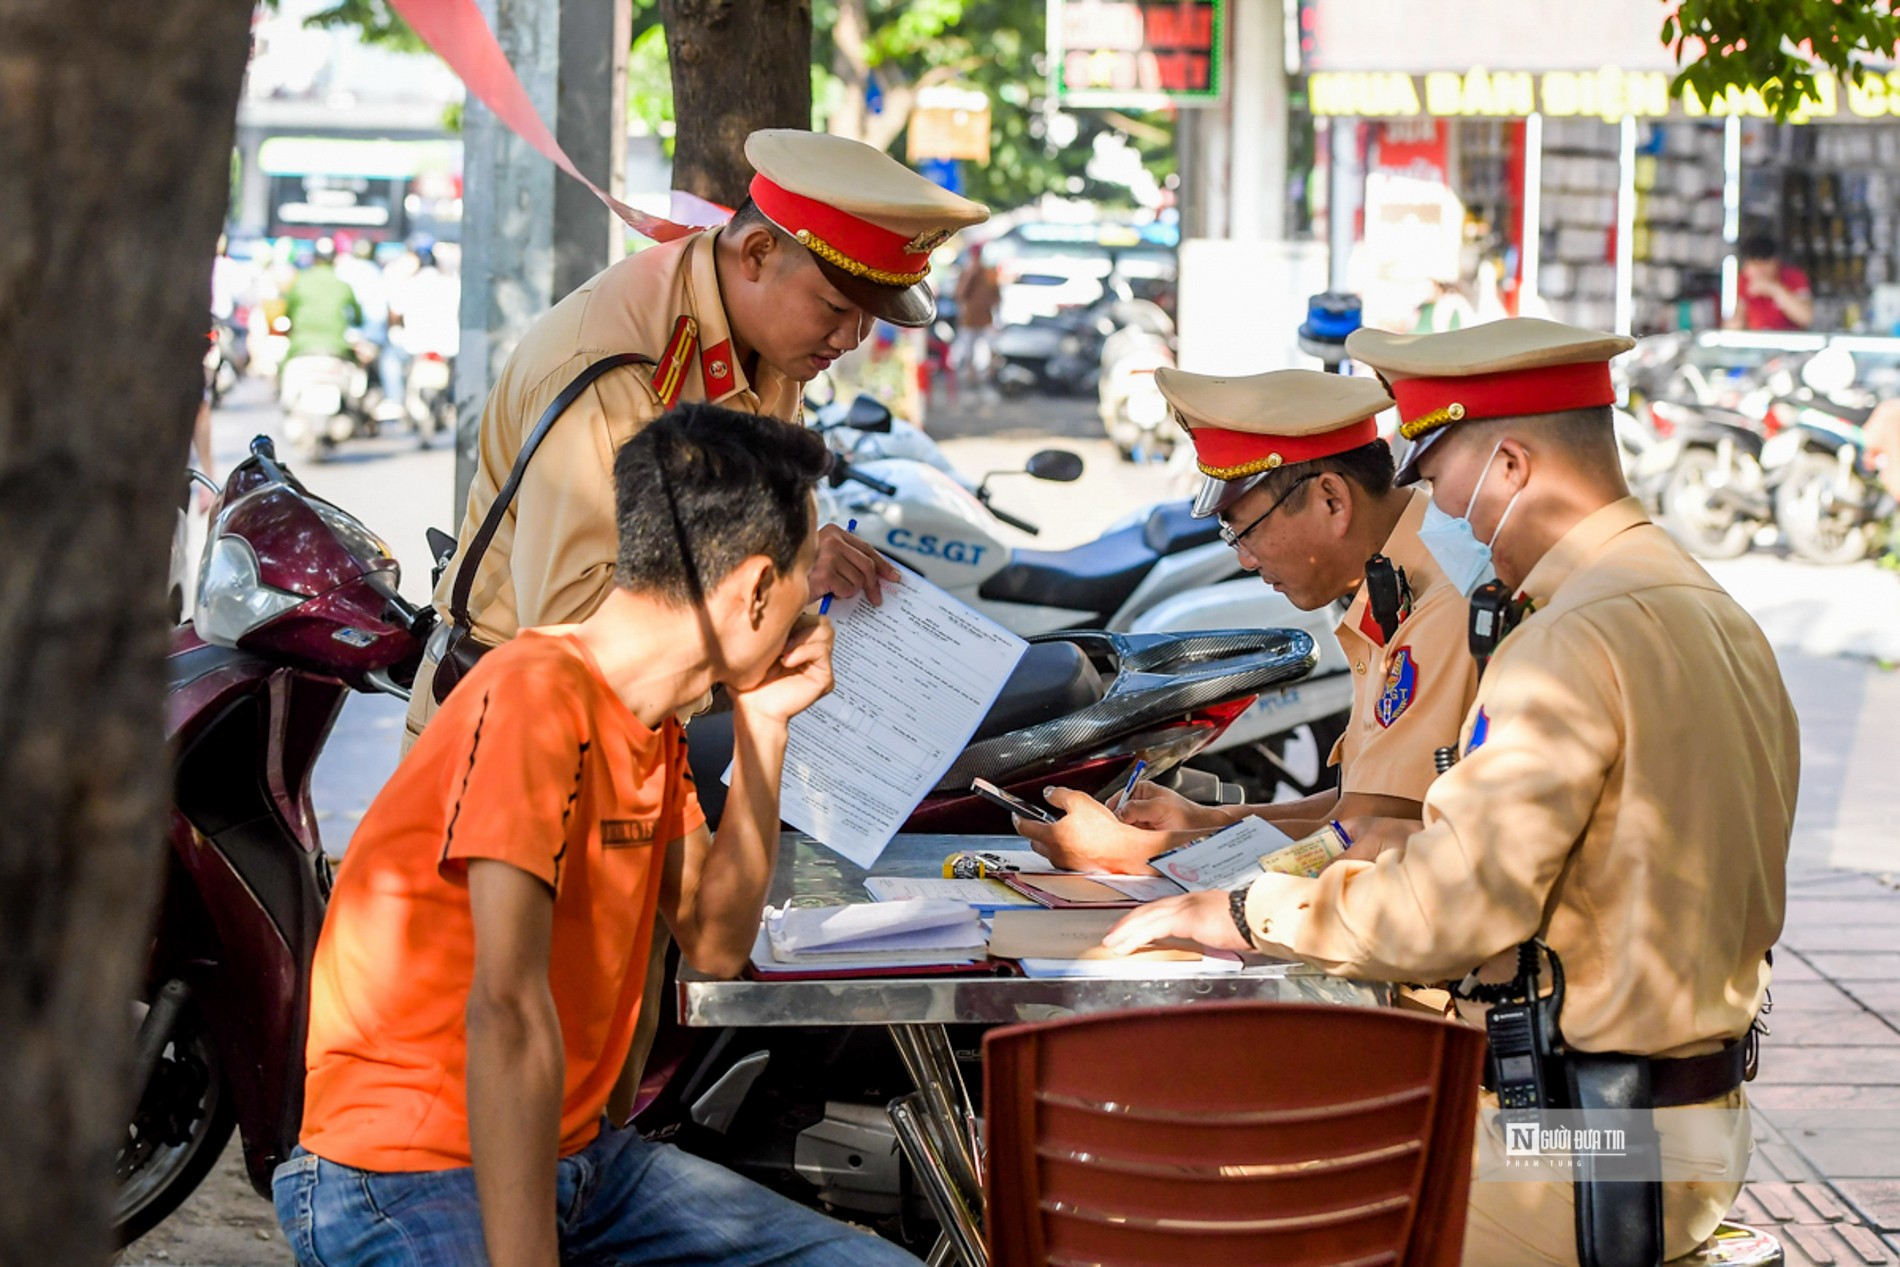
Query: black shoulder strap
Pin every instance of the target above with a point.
(472, 561)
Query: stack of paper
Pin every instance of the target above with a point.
(874, 934)
(980, 895)
(1064, 891)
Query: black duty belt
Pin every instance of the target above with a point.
(1689, 1079)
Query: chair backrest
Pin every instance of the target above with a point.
(1285, 1133)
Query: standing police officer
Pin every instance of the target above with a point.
(835, 233)
(1626, 792)
(1295, 468)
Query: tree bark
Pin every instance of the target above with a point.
(738, 65)
(116, 122)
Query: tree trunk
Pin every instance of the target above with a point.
(738, 65)
(116, 122)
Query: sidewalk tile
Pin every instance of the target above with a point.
(1801, 1027)
(1880, 996)
(1855, 911)
(1810, 937)
(1795, 1096)
(1791, 967)
(1838, 966)
(1841, 1152)
(1849, 1066)
(1813, 996)
(1877, 1200)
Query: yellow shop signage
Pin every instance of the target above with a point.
(1609, 93)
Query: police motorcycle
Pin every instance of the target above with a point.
(1157, 570)
(1829, 504)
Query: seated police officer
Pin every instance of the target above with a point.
(1295, 468)
(1626, 792)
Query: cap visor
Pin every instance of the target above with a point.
(1217, 495)
(910, 306)
(1408, 468)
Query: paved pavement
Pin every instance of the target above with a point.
(1827, 1171)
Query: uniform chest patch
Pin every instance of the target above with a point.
(1401, 684)
(1480, 731)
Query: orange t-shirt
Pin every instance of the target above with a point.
(535, 762)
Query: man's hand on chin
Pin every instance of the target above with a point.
(1089, 838)
(847, 564)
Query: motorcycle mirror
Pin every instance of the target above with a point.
(1829, 371)
(1057, 465)
(868, 413)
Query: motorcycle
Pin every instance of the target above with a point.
(1156, 570)
(1830, 505)
(315, 393)
(428, 403)
(1134, 413)
(297, 607)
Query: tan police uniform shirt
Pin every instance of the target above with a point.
(552, 558)
(1627, 790)
(1409, 693)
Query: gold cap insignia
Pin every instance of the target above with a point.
(928, 240)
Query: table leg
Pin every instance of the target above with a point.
(932, 1064)
(962, 1237)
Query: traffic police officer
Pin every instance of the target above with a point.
(834, 232)
(1294, 466)
(1627, 787)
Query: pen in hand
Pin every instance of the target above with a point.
(824, 605)
(1129, 789)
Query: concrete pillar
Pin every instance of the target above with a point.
(1257, 90)
(530, 234)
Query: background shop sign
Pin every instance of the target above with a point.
(1414, 36)
(1137, 54)
(1610, 93)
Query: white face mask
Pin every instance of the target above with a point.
(1465, 560)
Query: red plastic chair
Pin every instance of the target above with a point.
(1228, 1134)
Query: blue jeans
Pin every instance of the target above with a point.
(620, 1200)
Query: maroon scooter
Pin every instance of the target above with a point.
(297, 607)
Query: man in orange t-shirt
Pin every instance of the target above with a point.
(477, 981)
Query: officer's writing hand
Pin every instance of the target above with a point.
(800, 679)
(1205, 917)
(1089, 838)
(1158, 808)
(847, 564)
(1374, 836)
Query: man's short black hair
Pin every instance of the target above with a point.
(1760, 246)
(1369, 467)
(702, 489)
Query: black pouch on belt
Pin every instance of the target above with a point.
(1619, 1197)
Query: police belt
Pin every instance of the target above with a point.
(1688, 1079)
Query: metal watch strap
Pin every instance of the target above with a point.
(491, 522)
(1237, 907)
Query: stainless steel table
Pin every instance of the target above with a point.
(937, 1125)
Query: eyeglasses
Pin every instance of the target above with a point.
(1234, 538)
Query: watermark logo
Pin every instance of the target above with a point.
(1534, 1142)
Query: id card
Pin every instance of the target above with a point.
(1229, 859)
(1308, 855)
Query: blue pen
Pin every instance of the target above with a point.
(1129, 790)
(1343, 833)
(824, 605)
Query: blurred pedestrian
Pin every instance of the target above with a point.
(1770, 294)
(358, 268)
(978, 294)
(322, 308)
(425, 309)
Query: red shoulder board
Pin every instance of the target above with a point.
(715, 367)
(1369, 626)
(669, 376)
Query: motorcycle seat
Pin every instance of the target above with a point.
(1096, 577)
(1171, 529)
(1051, 680)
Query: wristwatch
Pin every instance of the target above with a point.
(1237, 907)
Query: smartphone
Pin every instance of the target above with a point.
(1014, 804)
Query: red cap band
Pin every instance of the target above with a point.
(1426, 403)
(1232, 455)
(881, 254)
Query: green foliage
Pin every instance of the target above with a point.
(1777, 46)
(378, 23)
(1000, 47)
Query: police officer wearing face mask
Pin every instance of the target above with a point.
(1293, 464)
(1625, 796)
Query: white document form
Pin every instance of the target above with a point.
(913, 678)
(1228, 859)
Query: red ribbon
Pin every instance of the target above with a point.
(459, 34)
